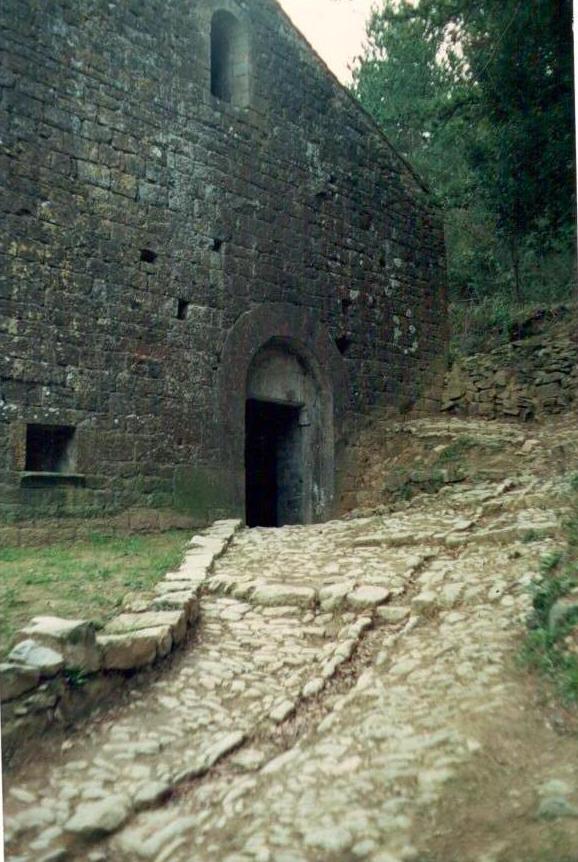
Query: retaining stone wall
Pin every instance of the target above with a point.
(526, 379)
(61, 669)
(48, 531)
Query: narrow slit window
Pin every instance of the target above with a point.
(229, 59)
(182, 309)
(50, 448)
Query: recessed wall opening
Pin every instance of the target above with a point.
(182, 309)
(50, 448)
(274, 464)
(148, 255)
(343, 343)
(346, 304)
(229, 59)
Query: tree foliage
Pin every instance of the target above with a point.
(478, 94)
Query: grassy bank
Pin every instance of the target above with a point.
(552, 642)
(478, 327)
(86, 579)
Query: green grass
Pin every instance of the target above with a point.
(402, 484)
(533, 535)
(481, 326)
(456, 450)
(548, 641)
(85, 579)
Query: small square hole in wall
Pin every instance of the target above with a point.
(182, 309)
(50, 448)
(148, 255)
(343, 343)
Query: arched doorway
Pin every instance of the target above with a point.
(283, 395)
(286, 440)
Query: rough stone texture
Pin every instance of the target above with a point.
(367, 597)
(527, 379)
(50, 530)
(150, 793)
(278, 594)
(156, 237)
(393, 615)
(184, 600)
(392, 461)
(410, 741)
(15, 679)
(94, 819)
(74, 639)
(127, 623)
(44, 660)
(147, 631)
(135, 649)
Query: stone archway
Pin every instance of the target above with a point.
(281, 371)
(288, 438)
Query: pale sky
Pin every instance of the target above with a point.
(335, 28)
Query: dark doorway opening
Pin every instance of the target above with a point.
(274, 463)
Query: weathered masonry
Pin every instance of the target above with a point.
(210, 257)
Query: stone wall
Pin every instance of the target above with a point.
(46, 531)
(526, 379)
(60, 669)
(144, 217)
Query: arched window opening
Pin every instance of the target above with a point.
(229, 59)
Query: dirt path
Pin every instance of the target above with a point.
(353, 693)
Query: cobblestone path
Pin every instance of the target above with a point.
(350, 692)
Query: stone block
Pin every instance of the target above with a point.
(282, 711)
(196, 564)
(333, 595)
(93, 820)
(394, 614)
(150, 794)
(94, 174)
(425, 601)
(143, 519)
(134, 649)
(178, 581)
(367, 597)
(136, 603)
(74, 639)
(213, 545)
(167, 588)
(182, 600)
(549, 392)
(15, 679)
(271, 595)
(126, 623)
(44, 660)
(229, 525)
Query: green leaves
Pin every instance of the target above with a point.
(479, 97)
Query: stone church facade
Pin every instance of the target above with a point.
(211, 257)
